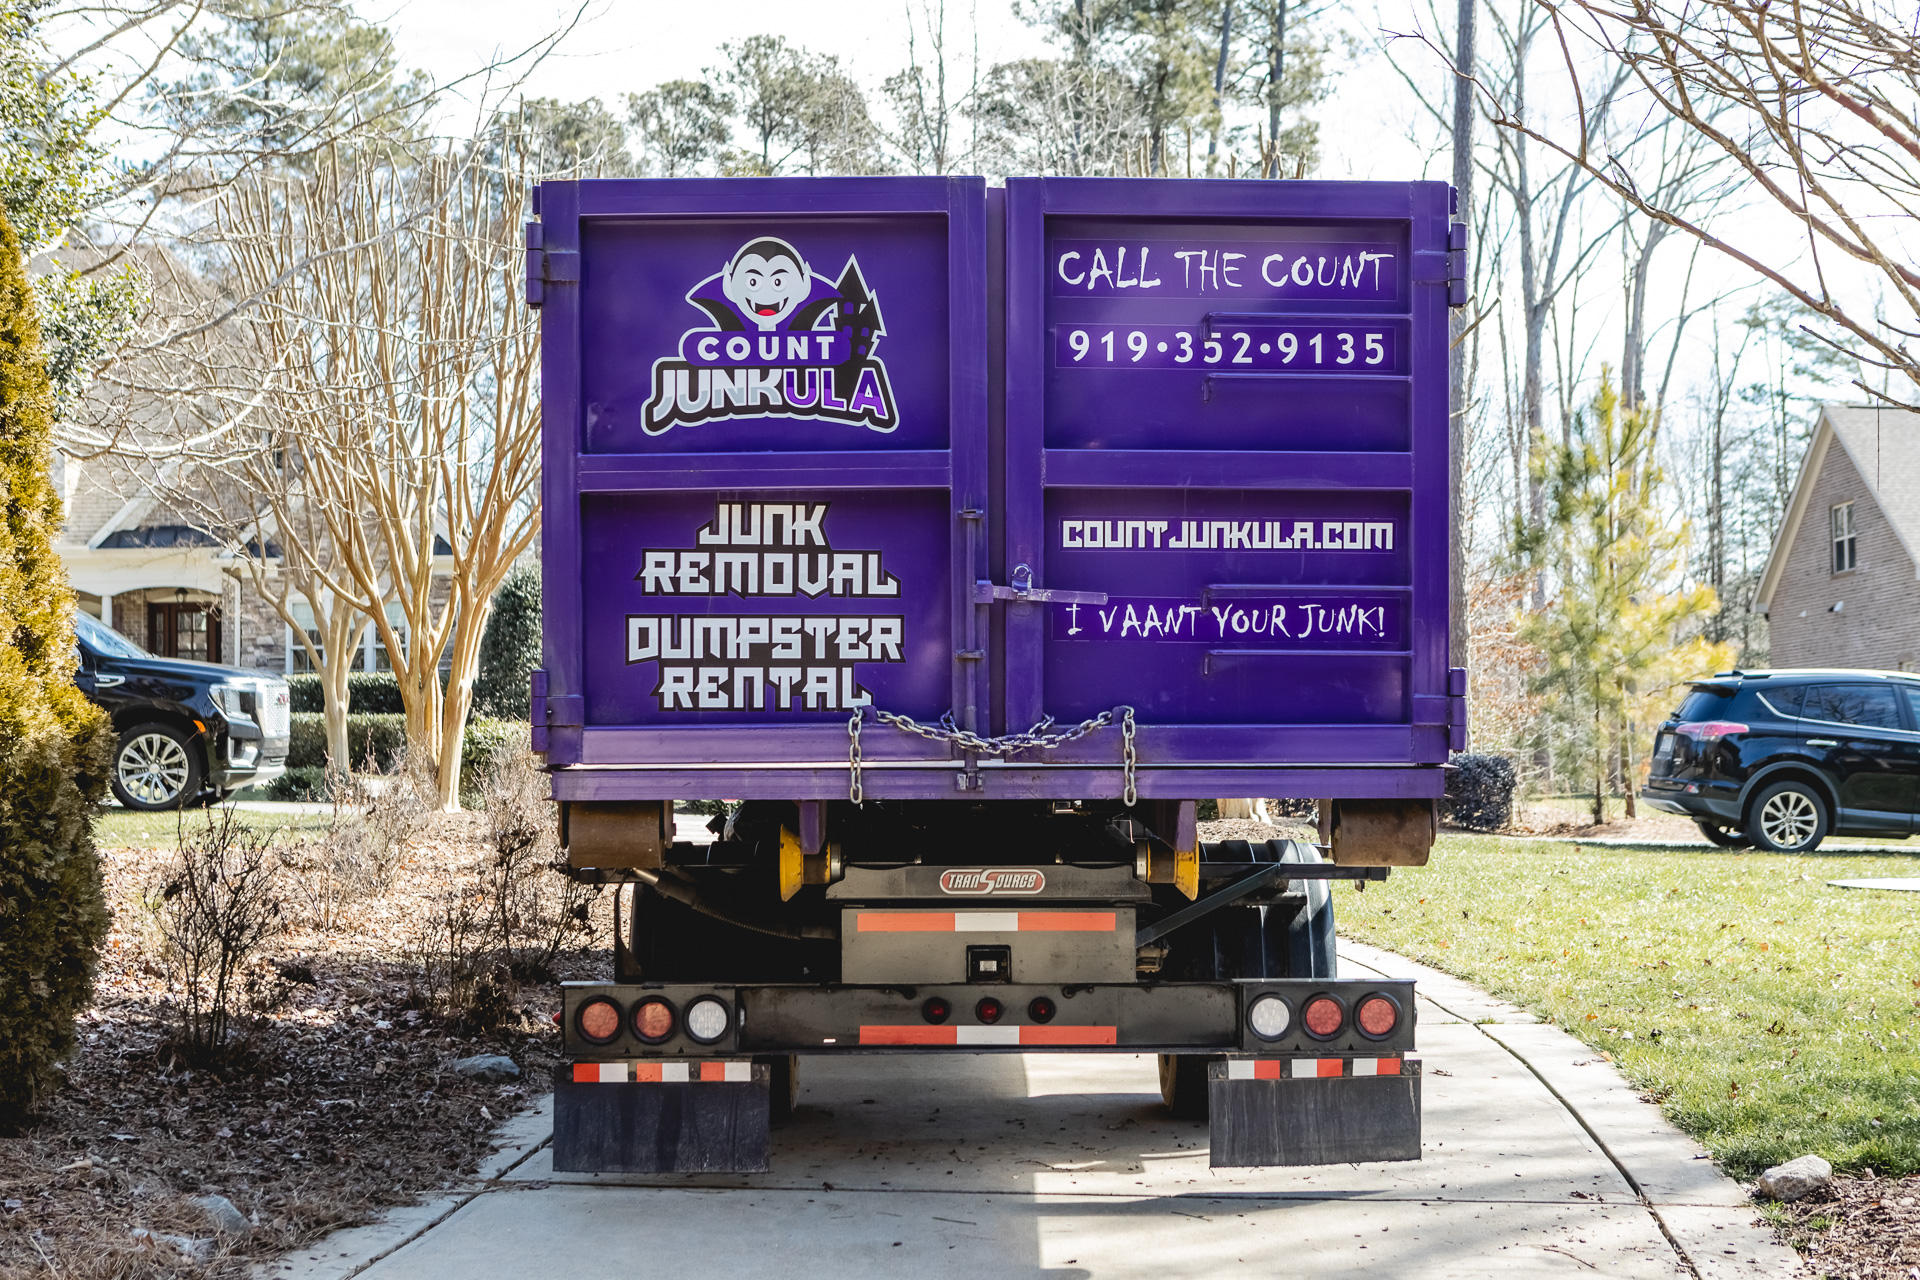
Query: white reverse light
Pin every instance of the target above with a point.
(707, 1019)
(1269, 1017)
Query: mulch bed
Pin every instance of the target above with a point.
(1867, 1229)
(338, 1103)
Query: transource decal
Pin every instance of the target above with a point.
(977, 880)
(779, 342)
(785, 659)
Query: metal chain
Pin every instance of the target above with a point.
(855, 792)
(1039, 737)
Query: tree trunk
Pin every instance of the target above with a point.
(458, 701)
(1219, 84)
(1457, 635)
(1276, 75)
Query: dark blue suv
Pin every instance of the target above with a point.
(1783, 759)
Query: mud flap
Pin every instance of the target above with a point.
(660, 1118)
(1297, 1111)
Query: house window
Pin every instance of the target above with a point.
(1844, 557)
(297, 657)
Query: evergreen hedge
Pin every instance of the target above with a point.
(509, 647)
(372, 691)
(55, 746)
(385, 737)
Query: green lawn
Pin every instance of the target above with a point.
(1770, 1014)
(126, 828)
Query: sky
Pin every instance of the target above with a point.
(626, 46)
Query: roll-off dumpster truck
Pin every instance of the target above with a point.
(962, 540)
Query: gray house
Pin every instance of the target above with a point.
(1842, 586)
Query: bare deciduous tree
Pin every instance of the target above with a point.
(1812, 101)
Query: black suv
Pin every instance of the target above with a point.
(1782, 759)
(187, 729)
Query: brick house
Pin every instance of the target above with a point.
(1842, 585)
(170, 587)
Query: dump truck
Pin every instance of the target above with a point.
(950, 544)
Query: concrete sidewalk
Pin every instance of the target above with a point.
(1539, 1161)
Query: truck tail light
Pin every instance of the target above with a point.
(989, 1010)
(1268, 1017)
(598, 1020)
(653, 1020)
(1377, 1016)
(708, 1019)
(936, 1010)
(1323, 1017)
(1040, 1009)
(1709, 730)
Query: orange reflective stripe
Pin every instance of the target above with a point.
(1331, 1066)
(903, 921)
(1067, 922)
(713, 1071)
(909, 1035)
(1069, 1035)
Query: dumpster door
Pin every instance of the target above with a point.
(765, 470)
(1226, 464)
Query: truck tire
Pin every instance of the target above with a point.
(1183, 1083)
(1788, 817)
(1311, 949)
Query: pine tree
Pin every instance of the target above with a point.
(54, 745)
(1622, 624)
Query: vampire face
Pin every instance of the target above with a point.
(766, 280)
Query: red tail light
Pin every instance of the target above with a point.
(1323, 1017)
(653, 1020)
(1709, 730)
(936, 1010)
(1040, 1009)
(988, 1010)
(1376, 1017)
(598, 1020)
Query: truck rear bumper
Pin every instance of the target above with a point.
(1281, 1095)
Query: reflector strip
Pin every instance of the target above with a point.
(662, 1072)
(1250, 1069)
(1376, 1066)
(1316, 1067)
(1056, 1034)
(1309, 1068)
(985, 921)
(1052, 1034)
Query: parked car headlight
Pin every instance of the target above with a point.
(231, 699)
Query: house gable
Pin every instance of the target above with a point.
(1868, 616)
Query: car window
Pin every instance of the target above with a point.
(1711, 703)
(1869, 705)
(1913, 702)
(103, 639)
(1783, 700)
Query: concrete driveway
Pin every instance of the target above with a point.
(1538, 1161)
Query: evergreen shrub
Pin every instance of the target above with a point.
(509, 648)
(55, 746)
(1480, 792)
(376, 692)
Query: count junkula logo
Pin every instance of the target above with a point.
(781, 342)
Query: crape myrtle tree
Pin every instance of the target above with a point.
(54, 744)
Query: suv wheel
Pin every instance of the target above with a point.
(1725, 837)
(155, 767)
(1788, 817)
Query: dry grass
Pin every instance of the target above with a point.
(335, 1100)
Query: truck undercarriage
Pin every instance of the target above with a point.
(971, 927)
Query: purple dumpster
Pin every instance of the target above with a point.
(963, 539)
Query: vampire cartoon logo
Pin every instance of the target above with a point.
(780, 342)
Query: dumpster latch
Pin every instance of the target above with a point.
(1023, 590)
(547, 266)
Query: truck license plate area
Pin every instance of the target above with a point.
(1063, 944)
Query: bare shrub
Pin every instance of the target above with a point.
(535, 910)
(460, 972)
(212, 910)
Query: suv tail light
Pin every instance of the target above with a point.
(1709, 730)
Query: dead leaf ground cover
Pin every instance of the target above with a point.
(337, 1102)
(1770, 1014)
